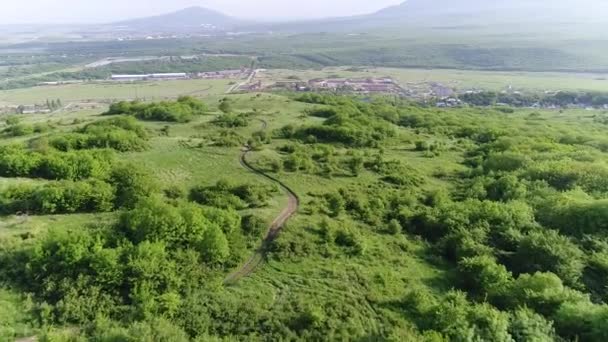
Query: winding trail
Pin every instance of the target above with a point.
(293, 204)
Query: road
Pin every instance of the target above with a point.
(276, 226)
(249, 79)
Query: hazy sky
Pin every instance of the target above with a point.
(79, 11)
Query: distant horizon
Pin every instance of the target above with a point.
(43, 12)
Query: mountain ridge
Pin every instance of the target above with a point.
(193, 17)
(416, 13)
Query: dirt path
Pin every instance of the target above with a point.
(275, 228)
(248, 80)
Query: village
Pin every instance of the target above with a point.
(245, 80)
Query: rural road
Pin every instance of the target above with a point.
(249, 79)
(293, 204)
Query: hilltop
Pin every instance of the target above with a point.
(192, 18)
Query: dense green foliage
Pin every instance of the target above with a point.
(226, 195)
(415, 224)
(182, 110)
(122, 134)
(16, 161)
(559, 99)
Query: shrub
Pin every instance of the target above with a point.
(526, 326)
(132, 184)
(253, 225)
(182, 110)
(483, 276)
(547, 251)
(226, 195)
(63, 197)
(230, 120)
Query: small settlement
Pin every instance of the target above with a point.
(357, 85)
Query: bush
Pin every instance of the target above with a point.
(596, 276)
(20, 130)
(582, 321)
(526, 326)
(182, 110)
(132, 184)
(350, 239)
(59, 198)
(484, 277)
(122, 134)
(226, 195)
(542, 292)
(230, 120)
(76, 165)
(252, 225)
(547, 251)
(456, 318)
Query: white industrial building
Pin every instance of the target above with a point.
(160, 76)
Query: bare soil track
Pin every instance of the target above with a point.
(293, 204)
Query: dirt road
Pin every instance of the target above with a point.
(293, 204)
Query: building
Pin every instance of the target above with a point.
(158, 76)
(170, 76)
(129, 77)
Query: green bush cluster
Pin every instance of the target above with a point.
(63, 197)
(22, 129)
(137, 269)
(231, 120)
(227, 195)
(185, 109)
(16, 161)
(124, 186)
(123, 134)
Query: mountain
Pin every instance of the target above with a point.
(188, 19)
(495, 11)
(464, 13)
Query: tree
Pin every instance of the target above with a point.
(153, 220)
(335, 204)
(151, 273)
(355, 165)
(253, 225)
(542, 292)
(528, 326)
(583, 321)
(596, 276)
(489, 324)
(506, 189)
(132, 183)
(214, 246)
(547, 251)
(225, 106)
(483, 276)
(394, 227)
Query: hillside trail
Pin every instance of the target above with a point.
(274, 230)
(276, 226)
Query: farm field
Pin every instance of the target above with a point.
(113, 91)
(458, 79)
